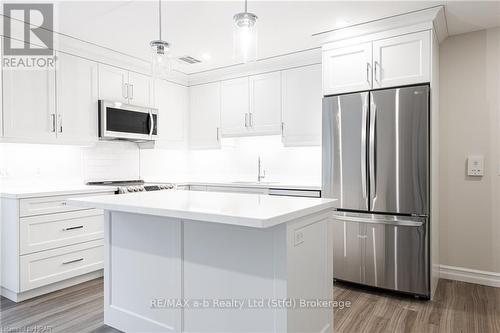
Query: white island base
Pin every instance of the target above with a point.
(153, 261)
(181, 261)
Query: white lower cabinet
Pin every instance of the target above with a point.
(43, 268)
(302, 106)
(45, 232)
(49, 245)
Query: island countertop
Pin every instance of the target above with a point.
(251, 210)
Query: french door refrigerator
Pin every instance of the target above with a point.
(376, 164)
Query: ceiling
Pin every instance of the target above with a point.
(203, 29)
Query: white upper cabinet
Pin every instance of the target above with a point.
(302, 106)
(204, 105)
(402, 60)
(384, 63)
(113, 84)
(265, 104)
(347, 69)
(29, 104)
(234, 107)
(140, 89)
(76, 85)
(119, 85)
(172, 103)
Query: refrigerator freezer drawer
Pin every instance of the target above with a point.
(381, 254)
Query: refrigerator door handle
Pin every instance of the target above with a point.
(363, 147)
(396, 222)
(373, 150)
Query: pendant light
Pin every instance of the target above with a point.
(245, 36)
(160, 49)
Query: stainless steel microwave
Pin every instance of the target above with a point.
(127, 122)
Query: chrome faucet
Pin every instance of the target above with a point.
(261, 174)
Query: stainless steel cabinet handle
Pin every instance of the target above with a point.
(53, 122)
(246, 119)
(377, 72)
(282, 129)
(368, 74)
(60, 123)
(218, 137)
(131, 91)
(125, 90)
(73, 228)
(373, 150)
(72, 261)
(250, 120)
(363, 146)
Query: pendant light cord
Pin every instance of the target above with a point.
(159, 14)
(245, 6)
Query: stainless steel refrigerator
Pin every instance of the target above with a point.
(376, 164)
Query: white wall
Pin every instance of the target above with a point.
(470, 124)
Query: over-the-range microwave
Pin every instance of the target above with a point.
(120, 121)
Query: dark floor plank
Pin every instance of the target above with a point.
(457, 307)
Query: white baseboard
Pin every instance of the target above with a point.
(485, 278)
(22, 296)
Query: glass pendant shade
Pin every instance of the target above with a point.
(245, 37)
(161, 64)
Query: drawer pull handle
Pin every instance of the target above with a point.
(73, 228)
(72, 261)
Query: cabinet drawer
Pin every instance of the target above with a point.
(44, 232)
(42, 268)
(52, 204)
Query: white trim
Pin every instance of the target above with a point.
(22, 296)
(485, 278)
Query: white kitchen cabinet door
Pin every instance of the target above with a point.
(204, 116)
(29, 110)
(265, 104)
(140, 89)
(347, 69)
(402, 60)
(113, 84)
(172, 103)
(302, 105)
(76, 85)
(234, 107)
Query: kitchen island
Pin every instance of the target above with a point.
(183, 261)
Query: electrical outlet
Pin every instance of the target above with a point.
(298, 238)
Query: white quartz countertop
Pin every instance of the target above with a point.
(251, 210)
(32, 191)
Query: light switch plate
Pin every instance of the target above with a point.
(475, 166)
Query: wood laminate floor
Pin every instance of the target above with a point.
(458, 307)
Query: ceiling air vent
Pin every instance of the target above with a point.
(189, 60)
